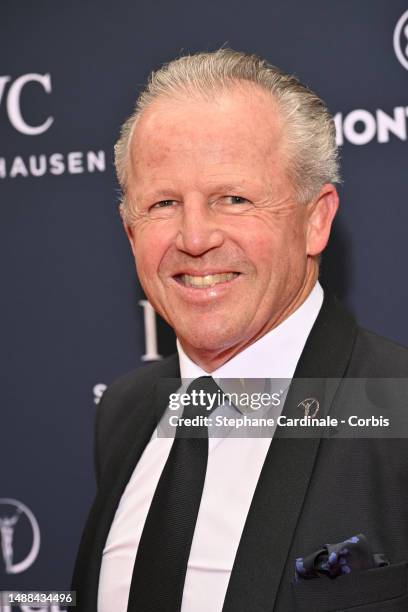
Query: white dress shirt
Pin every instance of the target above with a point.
(234, 466)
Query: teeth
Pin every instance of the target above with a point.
(208, 280)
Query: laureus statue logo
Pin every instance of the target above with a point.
(310, 407)
(400, 40)
(12, 514)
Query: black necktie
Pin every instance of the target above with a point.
(161, 562)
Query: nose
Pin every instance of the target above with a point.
(199, 230)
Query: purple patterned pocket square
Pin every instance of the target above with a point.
(333, 560)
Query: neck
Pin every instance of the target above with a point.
(210, 360)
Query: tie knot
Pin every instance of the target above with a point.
(205, 396)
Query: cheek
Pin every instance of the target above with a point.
(150, 245)
(263, 245)
(277, 253)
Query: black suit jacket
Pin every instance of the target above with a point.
(310, 491)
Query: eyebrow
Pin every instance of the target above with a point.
(166, 194)
(157, 194)
(219, 185)
(228, 187)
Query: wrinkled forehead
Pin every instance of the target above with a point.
(244, 121)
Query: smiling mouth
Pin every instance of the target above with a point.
(205, 281)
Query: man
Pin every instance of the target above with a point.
(228, 169)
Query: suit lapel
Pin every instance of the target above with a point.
(133, 437)
(288, 467)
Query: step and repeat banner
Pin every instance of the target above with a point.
(72, 314)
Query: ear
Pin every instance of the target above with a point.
(322, 210)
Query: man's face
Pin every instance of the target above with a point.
(222, 248)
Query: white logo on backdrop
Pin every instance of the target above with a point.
(150, 331)
(361, 126)
(13, 101)
(12, 92)
(12, 513)
(98, 390)
(151, 347)
(400, 40)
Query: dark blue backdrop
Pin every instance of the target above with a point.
(70, 315)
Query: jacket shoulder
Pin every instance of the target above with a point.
(375, 356)
(135, 384)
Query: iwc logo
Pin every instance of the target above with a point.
(401, 40)
(19, 536)
(13, 101)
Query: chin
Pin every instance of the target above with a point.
(210, 336)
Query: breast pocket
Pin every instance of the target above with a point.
(383, 589)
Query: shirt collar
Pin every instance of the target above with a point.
(274, 355)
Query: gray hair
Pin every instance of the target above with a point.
(309, 127)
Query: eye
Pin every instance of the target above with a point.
(233, 204)
(163, 209)
(162, 204)
(237, 199)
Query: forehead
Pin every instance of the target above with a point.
(238, 126)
